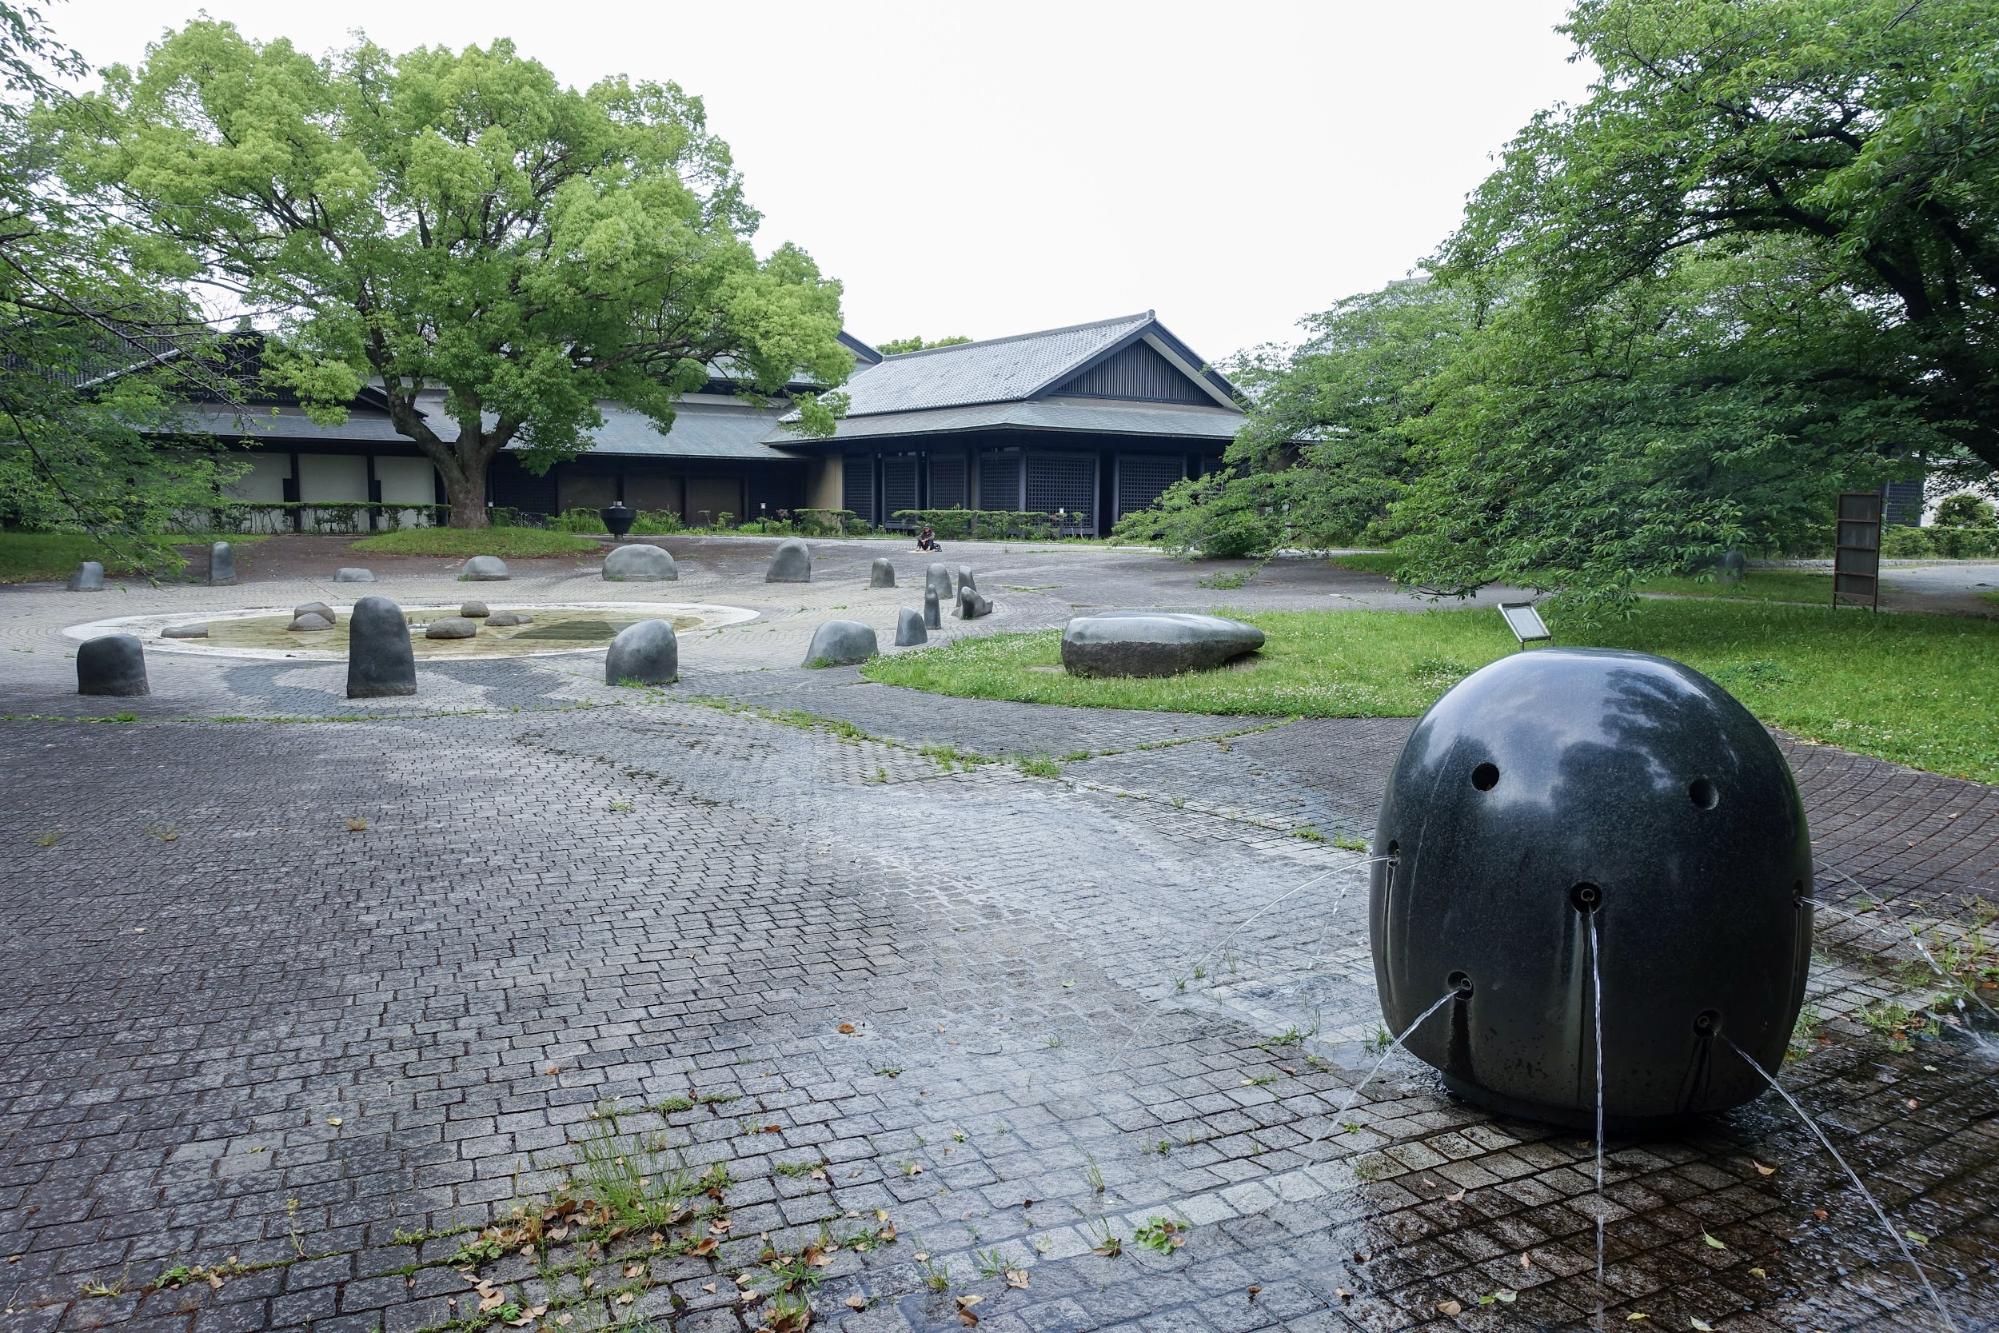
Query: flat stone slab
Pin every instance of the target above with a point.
(485, 569)
(381, 661)
(841, 643)
(881, 574)
(909, 627)
(353, 574)
(89, 577)
(792, 563)
(113, 664)
(1153, 643)
(451, 627)
(647, 653)
(640, 564)
(184, 632)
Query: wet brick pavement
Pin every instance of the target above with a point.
(236, 1027)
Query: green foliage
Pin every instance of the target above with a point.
(579, 520)
(899, 346)
(1913, 689)
(457, 220)
(1220, 516)
(991, 524)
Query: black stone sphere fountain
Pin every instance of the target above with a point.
(1560, 789)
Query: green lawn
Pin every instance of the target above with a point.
(508, 543)
(38, 557)
(1916, 689)
(1370, 562)
(1758, 585)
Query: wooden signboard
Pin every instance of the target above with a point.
(1856, 554)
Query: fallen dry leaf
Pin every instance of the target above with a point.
(1455, 1196)
(1711, 1242)
(1757, 1272)
(1761, 1169)
(1017, 1277)
(1700, 1325)
(1450, 1308)
(1636, 1317)
(633, 1270)
(856, 1303)
(706, 1247)
(846, 1029)
(335, 1121)
(552, 1070)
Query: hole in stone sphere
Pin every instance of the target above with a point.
(1703, 793)
(1485, 777)
(1586, 897)
(1707, 1022)
(1460, 983)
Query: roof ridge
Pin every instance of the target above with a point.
(1016, 337)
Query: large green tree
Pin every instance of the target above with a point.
(1864, 132)
(456, 221)
(89, 354)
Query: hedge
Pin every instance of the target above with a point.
(992, 524)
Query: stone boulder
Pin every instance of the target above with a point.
(381, 661)
(841, 643)
(353, 574)
(451, 627)
(111, 664)
(965, 579)
(475, 610)
(791, 564)
(184, 632)
(933, 614)
(937, 578)
(320, 609)
(647, 653)
(506, 619)
(972, 604)
(1153, 643)
(485, 569)
(909, 629)
(89, 577)
(1734, 564)
(309, 622)
(640, 564)
(881, 574)
(221, 564)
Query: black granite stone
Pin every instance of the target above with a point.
(841, 643)
(381, 662)
(881, 574)
(1562, 789)
(112, 664)
(1153, 643)
(909, 627)
(791, 563)
(648, 652)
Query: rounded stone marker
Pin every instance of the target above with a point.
(937, 578)
(475, 610)
(1734, 564)
(184, 632)
(1153, 643)
(451, 627)
(320, 609)
(505, 619)
(841, 643)
(353, 574)
(965, 579)
(89, 577)
(909, 628)
(881, 574)
(311, 620)
(1568, 813)
(647, 653)
(381, 661)
(485, 569)
(972, 604)
(111, 664)
(221, 564)
(933, 614)
(640, 564)
(792, 563)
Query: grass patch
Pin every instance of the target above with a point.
(1383, 563)
(1992, 597)
(1914, 689)
(1758, 585)
(41, 557)
(507, 543)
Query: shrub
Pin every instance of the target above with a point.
(991, 524)
(1218, 516)
(578, 520)
(657, 520)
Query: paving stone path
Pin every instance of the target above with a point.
(292, 1000)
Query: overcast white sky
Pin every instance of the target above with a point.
(996, 167)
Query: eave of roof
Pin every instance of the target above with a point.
(1080, 415)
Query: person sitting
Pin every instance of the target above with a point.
(926, 540)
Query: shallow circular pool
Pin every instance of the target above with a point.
(566, 628)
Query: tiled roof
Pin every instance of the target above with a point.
(1093, 415)
(995, 371)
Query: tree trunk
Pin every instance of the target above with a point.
(465, 490)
